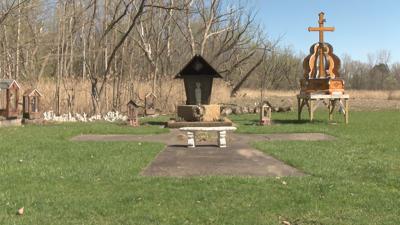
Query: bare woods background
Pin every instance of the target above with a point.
(94, 55)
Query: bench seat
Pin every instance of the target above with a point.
(191, 132)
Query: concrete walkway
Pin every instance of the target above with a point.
(239, 159)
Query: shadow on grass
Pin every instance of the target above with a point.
(198, 146)
(278, 122)
(249, 122)
(295, 121)
(155, 123)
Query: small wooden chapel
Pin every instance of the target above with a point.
(198, 76)
(9, 95)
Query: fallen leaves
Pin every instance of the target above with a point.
(20, 211)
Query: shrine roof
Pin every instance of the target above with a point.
(131, 102)
(31, 92)
(6, 83)
(198, 66)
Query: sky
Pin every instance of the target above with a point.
(361, 26)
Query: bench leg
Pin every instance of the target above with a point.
(191, 139)
(222, 139)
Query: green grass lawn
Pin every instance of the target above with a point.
(352, 180)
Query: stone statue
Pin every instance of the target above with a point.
(197, 93)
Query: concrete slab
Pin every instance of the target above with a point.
(238, 159)
(211, 161)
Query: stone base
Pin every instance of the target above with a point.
(204, 113)
(10, 122)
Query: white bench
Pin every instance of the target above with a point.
(191, 131)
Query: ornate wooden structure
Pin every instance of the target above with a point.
(265, 115)
(31, 104)
(322, 80)
(198, 77)
(321, 66)
(133, 110)
(150, 104)
(9, 96)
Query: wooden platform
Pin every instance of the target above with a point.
(312, 101)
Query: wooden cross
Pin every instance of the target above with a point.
(321, 29)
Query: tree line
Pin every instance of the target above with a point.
(114, 44)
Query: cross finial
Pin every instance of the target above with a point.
(321, 29)
(322, 19)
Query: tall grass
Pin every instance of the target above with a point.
(169, 95)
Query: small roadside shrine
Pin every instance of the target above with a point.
(133, 113)
(150, 104)
(198, 76)
(321, 77)
(9, 96)
(265, 115)
(31, 104)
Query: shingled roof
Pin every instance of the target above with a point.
(198, 66)
(6, 83)
(131, 102)
(30, 92)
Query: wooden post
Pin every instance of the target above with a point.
(299, 108)
(311, 109)
(346, 114)
(330, 109)
(332, 104)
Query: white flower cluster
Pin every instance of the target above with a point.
(109, 117)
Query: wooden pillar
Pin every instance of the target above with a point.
(346, 108)
(311, 109)
(7, 114)
(299, 107)
(330, 109)
(332, 104)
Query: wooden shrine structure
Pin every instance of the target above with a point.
(198, 111)
(198, 76)
(9, 96)
(31, 104)
(321, 81)
(133, 110)
(265, 114)
(150, 104)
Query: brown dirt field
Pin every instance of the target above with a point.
(359, 100)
